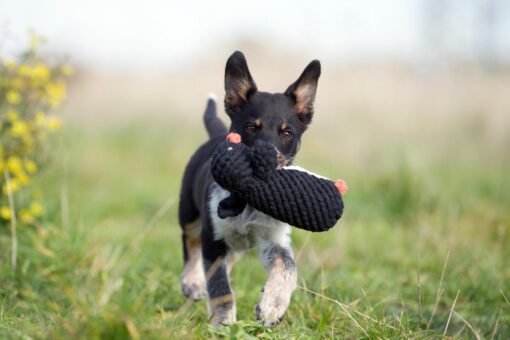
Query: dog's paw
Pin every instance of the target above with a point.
(277, 292)
(223, 315)
(269, 318)
(194, 291)
(193, 284)
(273, 304)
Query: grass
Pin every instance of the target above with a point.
(421, 252)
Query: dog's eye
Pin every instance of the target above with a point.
(287, 134)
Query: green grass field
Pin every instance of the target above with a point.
(423, 249)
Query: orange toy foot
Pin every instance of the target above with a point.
(341, 186)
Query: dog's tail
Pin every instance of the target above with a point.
(214, 126)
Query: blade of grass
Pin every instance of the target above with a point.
(475, 333)
(419, 293)
(504, 297)
(451, 312)
(496, 324)
(439, 291)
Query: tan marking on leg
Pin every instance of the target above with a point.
(193, 278)
(214, 267)
(232, 258)
(213, 303)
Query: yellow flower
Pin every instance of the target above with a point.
(19, 129)
(24, 70)
(54, 123)
(14, 164)
(31, 166)
(5, 213)
(29, 89)
(11, 187)
(55, 92)
(40, 72)
(36, 209)
(13, 97)
(25, 216)
(22, 178)
(67, 70)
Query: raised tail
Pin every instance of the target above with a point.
(214, 126)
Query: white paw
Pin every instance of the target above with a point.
(193, 283)
(194, 291)
(274, 303)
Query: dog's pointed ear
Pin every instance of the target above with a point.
(303, 90)
(239, 84)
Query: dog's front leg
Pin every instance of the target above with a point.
(221, 303)
(279, 262)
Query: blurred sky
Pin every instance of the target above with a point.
(154, 34)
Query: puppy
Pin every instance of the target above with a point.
(212, 244)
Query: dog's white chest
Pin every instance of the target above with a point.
(247, 229)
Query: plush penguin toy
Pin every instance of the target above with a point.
(290, 194)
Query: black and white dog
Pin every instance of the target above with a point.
(211, 244)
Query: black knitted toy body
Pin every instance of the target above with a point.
(295, 197)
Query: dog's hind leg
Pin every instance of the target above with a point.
(193, 279)
(278, 260)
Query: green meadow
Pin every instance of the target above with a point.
(422, 251)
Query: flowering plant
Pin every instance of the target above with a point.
(30, 90)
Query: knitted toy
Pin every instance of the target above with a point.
(296, 197)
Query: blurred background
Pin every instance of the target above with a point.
(385, 64)
(412, 110)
